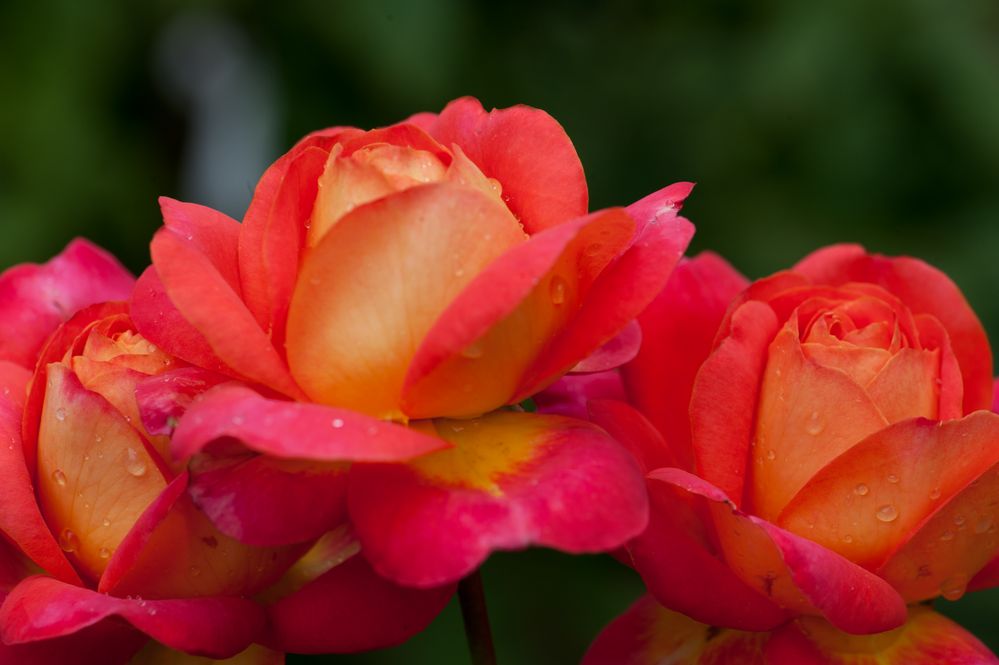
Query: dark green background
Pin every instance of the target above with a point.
(803, 124)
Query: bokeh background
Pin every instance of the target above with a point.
(802, 123)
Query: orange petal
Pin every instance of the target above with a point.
(808, 415)
(95, 477)
(371, 290)
(868, 501)
(907, 386)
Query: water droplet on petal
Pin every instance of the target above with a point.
(935, 493)
(887, 513)
(947, 535)
(106, 522)
(60, 414)
(771, 455)
(68, 541)
(892, 478)
(954, 587)
(59, 477)
(104, 553)
(847, 538)
(861, 490)
(134, 464)
(238, 420)
(815, 424)
(195, 571)
(983, 525)
(337, 423)
(557, 290)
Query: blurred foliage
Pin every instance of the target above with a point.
(802, 123)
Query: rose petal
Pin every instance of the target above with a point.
(621, 349)
(350, 609)
(570, 395)
(42, 608)
(369, 293)
(109, 642)
(511, 480)
(157, 654)
(685, 315)
(35, 299)
(526, 150)
(163, 399)
(295, 430)
(796, 573)
(631, 429)
(724, 398)
(871, 499)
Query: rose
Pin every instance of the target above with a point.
(433, 273)
(647, 634)
(107, 518)
(822, 445)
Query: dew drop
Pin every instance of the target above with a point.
(892, 478)
(195, 571)
(983, 525)
(847, 538)
(472, 351)
(861, 490)
(315, 281)
(959, 521)
(935, 493)
(59, 477)
(557, 290)
(954, 587)
(592, 250)
(98, 438)
(238, 420)
(106, 522)
(60, 414)
(104, 553)
(771, 455)
(460, 272)
(337, 423)
(947, 535)
(815, 424)
(887, 513)
(134, 464)
(68, 541)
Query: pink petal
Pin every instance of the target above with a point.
(510, 480)
(570, 395)
(35, 299)
(42, 608)
(620, 349)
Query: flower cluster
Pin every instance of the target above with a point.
(299, 432)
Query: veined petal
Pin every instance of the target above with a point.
(42, 608)
(510, 480)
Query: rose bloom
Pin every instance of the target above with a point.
(818, 443)
(104, 547)
(388, 301)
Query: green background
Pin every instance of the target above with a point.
(802, 123)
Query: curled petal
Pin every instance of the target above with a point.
(35, 299)
(295, 430)
(631, 429)
(42, 608)
(350, 609)
(510, 480)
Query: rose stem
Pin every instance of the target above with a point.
(476, 617)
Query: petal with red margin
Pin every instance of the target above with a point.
(43, 608)
(109, 642)
(35, 299)
(871, 499)
(618, 295)
(273, 234)
(620, 349)
(906, 387)
(477, 353)
(925, 290)
(20, 519)
(932, 335)
(159, 321)
(295, 430)
(174, 551)
(684, 316)
(263, 501)
(157, 654)
(680, 567)
(350, 609)
(661, 204)
(164, 398)
(511, 480)
(723, 401)
(807, 415)
(527, 151)
(649, 634)
(210, 304)
(369, 293)
(216, 235)
(796, 573)
(927, 638)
